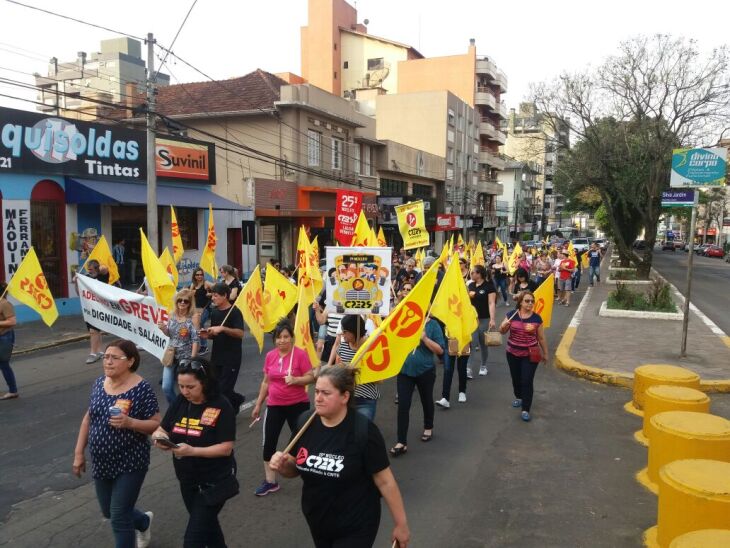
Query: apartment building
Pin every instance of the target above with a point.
(282, 149)
(116, 74)
(535, 137)
(521, 203)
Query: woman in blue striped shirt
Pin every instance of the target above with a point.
(353, 335)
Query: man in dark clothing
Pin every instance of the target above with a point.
(226, 332)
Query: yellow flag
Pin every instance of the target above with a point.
(251, 304)
(309, 275)
(584, 261)
(452, 306)
(383, 353)
(29, 286)
(514, 259)
(169, 264)
(412, 224)
(419, 259)
(177, 246)
(302, 329)
(498, 242)
(157, 278)
(477, 257)
(544, 297)
(444, 256)
(103, 254)
(381, 238)
(207, 260)
(280, 296)
(460, 243)
(571, 251)
(315, 249)
(373, 239)
(361, 237)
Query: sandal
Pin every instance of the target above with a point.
(427, 437)
(9, 396)
(398, 451)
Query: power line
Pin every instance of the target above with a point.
(81, 21)
(157, 72)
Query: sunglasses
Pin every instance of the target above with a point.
(187, 365)
(183, 301)
(528, 301)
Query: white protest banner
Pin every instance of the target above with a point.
(125, 314)
(358, 280)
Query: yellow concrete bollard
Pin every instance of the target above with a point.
(706, 538)
(694, 494)
(677, 435)
(651, 375)
(658, 399)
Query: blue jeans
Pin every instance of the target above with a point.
(168, 382)
(6, 347)
(117, 498)
(594, 271)
(502, 287)
(576, 279)
(366, 406)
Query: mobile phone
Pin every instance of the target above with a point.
(165, 442)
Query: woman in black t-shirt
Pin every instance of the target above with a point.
(483, 298)
(342, 460)
(201, 422)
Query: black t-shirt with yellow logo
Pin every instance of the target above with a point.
(201, 425)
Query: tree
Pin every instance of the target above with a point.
(658, 93)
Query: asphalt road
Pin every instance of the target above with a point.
(710, 280)
(486, 479)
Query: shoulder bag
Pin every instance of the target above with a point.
(222, 490)
(534, 354)
(169, 356)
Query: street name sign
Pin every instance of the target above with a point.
(678, 198)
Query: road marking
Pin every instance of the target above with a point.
(578, 316)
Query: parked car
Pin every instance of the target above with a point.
(601, 242)
(700, 249)
(668, 246)
(580, 244)
(678, 244)
(714, 251)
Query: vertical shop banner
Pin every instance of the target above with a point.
(123, 313)
(412, 225)
(349, 205)
(16, 228)
(358, 280)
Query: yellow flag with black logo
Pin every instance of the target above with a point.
(29, 286)
(412, 225)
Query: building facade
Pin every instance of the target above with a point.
(535, 137)
(521, 203)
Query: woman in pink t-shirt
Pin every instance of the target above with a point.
(287, 372)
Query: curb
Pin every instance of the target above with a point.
(565, 362)
(53, 344)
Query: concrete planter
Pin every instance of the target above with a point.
(640, 314)
(628, 282)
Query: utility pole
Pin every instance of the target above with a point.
(690, 259)
(152, 233)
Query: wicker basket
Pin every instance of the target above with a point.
(492, 338)
(454, 348)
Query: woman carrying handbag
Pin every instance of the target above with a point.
(526, 349)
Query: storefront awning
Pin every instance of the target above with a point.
(105, 192)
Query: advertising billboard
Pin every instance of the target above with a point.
(698, 167)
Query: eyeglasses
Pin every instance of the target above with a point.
(183, 301)
(187, 365)
(528, 301)
(110, 357)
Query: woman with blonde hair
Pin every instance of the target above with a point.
(183, 337)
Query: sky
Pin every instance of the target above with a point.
(530, 41)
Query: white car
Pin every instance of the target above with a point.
(580, 244)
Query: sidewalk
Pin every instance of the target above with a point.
(608, 350)
(31, 336)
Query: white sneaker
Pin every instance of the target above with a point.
(468, 373)
(143, 537)
(93, 358)
(483, 371)
(462, 397)
(443, 402)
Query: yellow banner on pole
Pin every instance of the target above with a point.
(103, 254)
(544, 297)
(29, 286)
(251, 304)
(412, 225)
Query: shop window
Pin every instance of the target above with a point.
(187, 220)
(422, 191)
(338, 146)
(392, 187)
(48, 232)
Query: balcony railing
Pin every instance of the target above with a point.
(484, 96)
(487, 127)
(486, 66)
(489, 187)
(502, 110)
(500, 79)
(493, 159)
